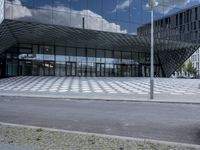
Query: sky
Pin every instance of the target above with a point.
(123, 17)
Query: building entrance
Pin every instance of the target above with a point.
(49, 68)
(2, 73)
(71, 68)
(100, 69)
(145, 70)
(64, 61)
(25, 68)
(123, 70)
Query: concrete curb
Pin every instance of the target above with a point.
(104, 136)
(68, 98)
(13, 147)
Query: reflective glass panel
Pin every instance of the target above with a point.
(1, 10)
(122, 16)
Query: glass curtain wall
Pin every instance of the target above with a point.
(1, 10)
(60, 61)
(42, 60)
(122, 16)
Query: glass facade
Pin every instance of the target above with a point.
(122, 16)
(42, 60)
(181, 26)
(1, 10)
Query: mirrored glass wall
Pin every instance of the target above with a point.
(122, 16)
(1, 10)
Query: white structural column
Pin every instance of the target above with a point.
(152, 4)
(152, 58)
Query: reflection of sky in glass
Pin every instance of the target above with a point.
(1, 10)
(61, 59)
(123, 16)
(41, 57)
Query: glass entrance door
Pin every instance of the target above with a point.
(70, 68)
(49, 68)
(117, 70)
(100, 69)
(145, 70)
(11, 67)
(1, 69)
(134, 70)
(125, 70)
(25, 68)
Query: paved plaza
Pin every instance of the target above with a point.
(99, 87)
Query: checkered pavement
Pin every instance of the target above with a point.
(99, 85)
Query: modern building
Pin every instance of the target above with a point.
(83, 38)
(182, 26)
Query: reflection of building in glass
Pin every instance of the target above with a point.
(195, 61)
(182, 26)
(83, 38)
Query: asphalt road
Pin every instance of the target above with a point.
(167, 122)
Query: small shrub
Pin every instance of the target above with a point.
(39, 130)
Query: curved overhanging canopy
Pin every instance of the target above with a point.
(171, 53)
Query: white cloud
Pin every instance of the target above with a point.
(63, 17)
(123, 5)
(167, 5)
(18, 10)
(94, 21)
(164, 7)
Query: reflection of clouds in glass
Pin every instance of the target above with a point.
(166, 6)
(65, 16)
(1, 10)
(20, 11)
(123, 5)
